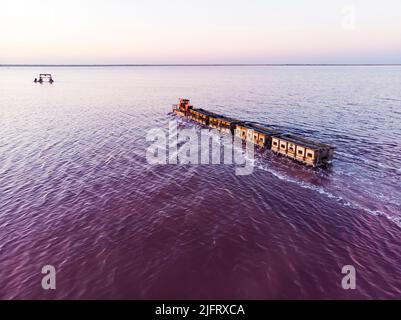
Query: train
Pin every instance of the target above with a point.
(303, 150)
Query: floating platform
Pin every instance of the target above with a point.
(303, 150)
(43, 77)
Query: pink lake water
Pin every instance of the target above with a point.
(76, 191)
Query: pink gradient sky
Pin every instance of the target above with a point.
(195, 31)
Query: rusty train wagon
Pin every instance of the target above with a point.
(259, 135)
(222, 123)
(200, 115)
(306, 151)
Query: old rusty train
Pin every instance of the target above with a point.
(306, 151)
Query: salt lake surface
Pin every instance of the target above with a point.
(76, 191)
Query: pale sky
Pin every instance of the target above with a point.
(199, 31)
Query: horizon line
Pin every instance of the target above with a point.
(205, 65)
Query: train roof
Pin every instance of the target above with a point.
(305, 142)
(228, 119)
(260, 128)
(203, 111)
(215, 115)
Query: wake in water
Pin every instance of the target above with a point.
(334, 181)
(340, 198)
(77, 191)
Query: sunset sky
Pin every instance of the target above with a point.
(199, 31)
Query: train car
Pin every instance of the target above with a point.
(199, 115)
(223, 123)
(304, 150)
(256, 133)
